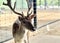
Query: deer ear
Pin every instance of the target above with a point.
(32, 16)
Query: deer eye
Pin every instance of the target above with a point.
(24, 22)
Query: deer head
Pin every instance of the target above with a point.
(25, 20)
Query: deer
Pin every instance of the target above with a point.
(22, 25)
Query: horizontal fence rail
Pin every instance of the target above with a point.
(48, 23)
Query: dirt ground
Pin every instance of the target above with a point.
(43, 16)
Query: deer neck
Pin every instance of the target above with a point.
(21, 28)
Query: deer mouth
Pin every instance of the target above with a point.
(31, 29)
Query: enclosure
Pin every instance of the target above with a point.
(48, 21)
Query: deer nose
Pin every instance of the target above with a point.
(33, 29)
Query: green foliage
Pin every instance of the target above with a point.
(49, 2)
(19, 3)
(0, 2)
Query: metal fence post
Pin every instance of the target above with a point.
(34, 12)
